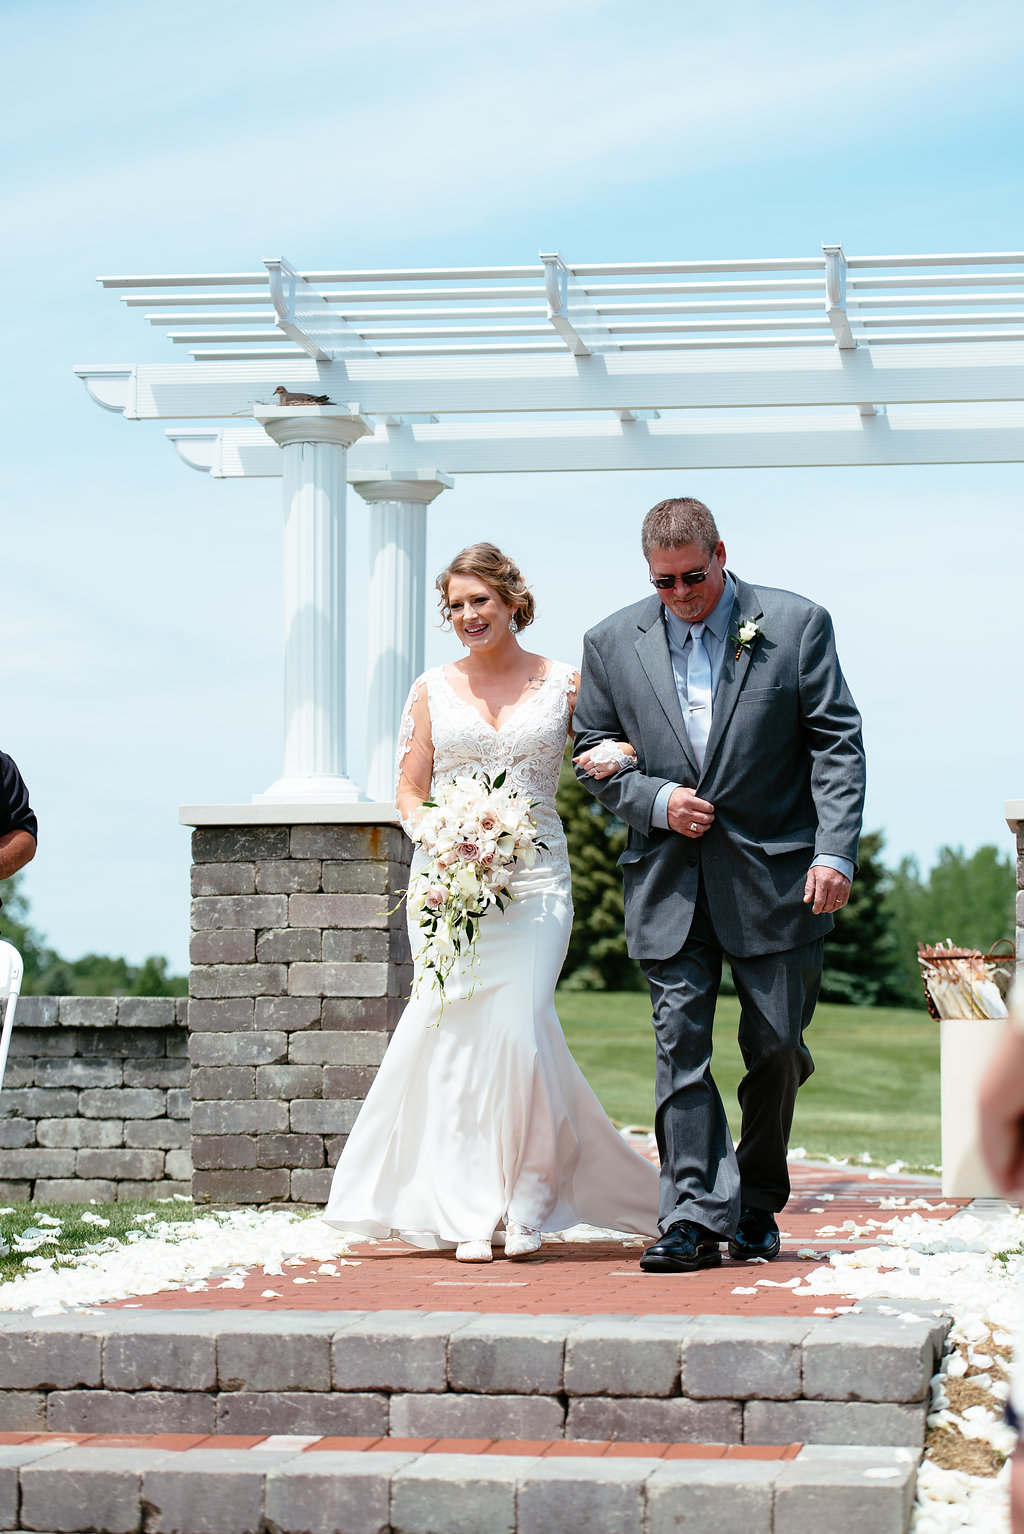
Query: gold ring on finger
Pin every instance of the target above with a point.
(694, 826)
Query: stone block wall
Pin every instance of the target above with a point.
(300, 969)
(95, 1100)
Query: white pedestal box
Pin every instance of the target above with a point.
(967, 1046)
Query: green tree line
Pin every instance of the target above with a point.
(95, 974)
(870, 958)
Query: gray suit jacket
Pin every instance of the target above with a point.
(784, 769)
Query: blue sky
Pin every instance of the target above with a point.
(141, 663)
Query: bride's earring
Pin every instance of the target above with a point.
(512, 625)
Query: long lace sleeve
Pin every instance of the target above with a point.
(414, 762)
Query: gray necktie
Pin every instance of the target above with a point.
(698, 693)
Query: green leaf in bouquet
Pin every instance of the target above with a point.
(499, 780)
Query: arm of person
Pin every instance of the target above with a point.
(628, 793)
(415, 759)
(832, 730)
(1001, 1109)
(16, 849)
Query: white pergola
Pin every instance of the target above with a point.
(827, 359)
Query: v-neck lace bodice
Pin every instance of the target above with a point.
(527, 745)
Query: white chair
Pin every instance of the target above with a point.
(11, 970)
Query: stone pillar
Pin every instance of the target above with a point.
(397, 610)
(315, 440)
(300, 970)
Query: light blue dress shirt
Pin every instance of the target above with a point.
(716, 631)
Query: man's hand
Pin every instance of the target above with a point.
(689, 815)
(827, 888)
(1001, 1114)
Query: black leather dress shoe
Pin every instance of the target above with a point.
(682, 1249)
(757, 1235)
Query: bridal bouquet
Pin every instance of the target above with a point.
(474, 833)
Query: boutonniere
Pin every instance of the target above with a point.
(746, 636)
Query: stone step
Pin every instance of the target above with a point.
(288, 1485)
(854, 1379)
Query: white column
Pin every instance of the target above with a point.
(397, 610)
(315, 441)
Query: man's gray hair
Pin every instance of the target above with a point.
(675, 522)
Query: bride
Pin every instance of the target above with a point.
(479, 1117)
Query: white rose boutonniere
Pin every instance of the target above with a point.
(746, 636)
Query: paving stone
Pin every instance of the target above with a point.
(71, 1133)
(13, 1458)
(37, 1012)
(79, 1071)
(310, 1185)
(337, 979)
(339, 841)
(262, 1186)
(676, 1420)
(229, 945)
(22, 1411)
(178, 1167)
(358, 1414)
(290, 1150)
(722, 1496)
(602, 1496)
(289, 1081)
(15, 1192)
(223, 878)
(287, 1012)
(394, 1350)
(360, 1013)
(476, 1416)
(146, 1011)
(287, 945)
(16, 1133)
(179, 1103)
(222, 1083)
(858, 1358)
(230, 1015)
(33, 1162)
(263, 1048)
(83, 1488)
(38, 1356)
(122, 1102)
(333, 1490)
(140, 1165)
(356, 878)
(352, 1082)
(141, 1411)
(829, 1488)
(208, 1491)
(319, 1116)
(221, 1152)
(351, 946)
(87, 1011)
(230, 980)
(151, 1358)
(518, 1354)
(212, 912)
(356, 1047)
(834, 1422)
(625, 1355)
(226, 1118)
(156, 1073)
(41, 1103)
(458, 1494)
(744, 1357)
(156, 1134)
(287, 876)
(289, 1353)
(75, 1190)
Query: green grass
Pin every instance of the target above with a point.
(875, 1089)
(76, 1231)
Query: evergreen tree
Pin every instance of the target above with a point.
(597, 959)
(969, 899)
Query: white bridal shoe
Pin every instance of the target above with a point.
(473, 1251)
(520, 1241)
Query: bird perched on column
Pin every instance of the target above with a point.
(287, 397)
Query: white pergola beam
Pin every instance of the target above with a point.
(914, 437)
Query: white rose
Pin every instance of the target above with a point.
(748, 631)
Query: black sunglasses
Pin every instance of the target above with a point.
(691, 578)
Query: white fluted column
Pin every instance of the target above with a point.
(397, 610)
(315, 442)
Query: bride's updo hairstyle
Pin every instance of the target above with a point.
(489, 564)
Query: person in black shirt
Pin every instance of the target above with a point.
(19, 828)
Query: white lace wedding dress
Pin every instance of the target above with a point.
(479, 1111)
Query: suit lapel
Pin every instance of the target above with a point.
(734, 669)
(652, 650)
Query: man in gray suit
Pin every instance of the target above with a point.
(744, 812)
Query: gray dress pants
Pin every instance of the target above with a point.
(703, 1178)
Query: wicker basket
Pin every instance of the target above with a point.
(997, 964)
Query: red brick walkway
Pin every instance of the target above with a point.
(829, 1211)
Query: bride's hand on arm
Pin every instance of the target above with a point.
(416, 765)
(610, 756)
